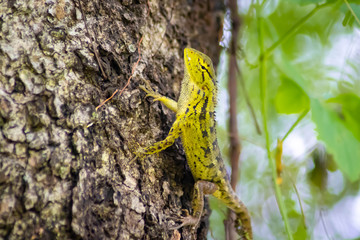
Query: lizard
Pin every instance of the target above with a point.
(196, 126)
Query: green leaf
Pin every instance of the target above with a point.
(300, 233)
(338, 139)
(217, 218)
(348, 19)
(350, 104)
(305, 2)
(291, 72)
(290, 98)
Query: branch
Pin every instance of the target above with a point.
(263, 87)
(293, 29)
(235, 145)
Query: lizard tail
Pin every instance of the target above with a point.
(243, 221)
(243, 225)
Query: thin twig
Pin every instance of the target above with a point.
(302, 115)
(300, 204)
(263, 87)
(128, 81)
(133, 68)
(166, 28)
(324, 225)
(293, 29)
(248, 102)
(352, 11)
(235, 145)
(91, 41)
(148, 5)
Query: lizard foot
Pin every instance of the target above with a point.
(169, 103)
(187, 220)
(150, 92)
(201, 188)
(135, 148)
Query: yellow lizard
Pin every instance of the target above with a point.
(195, 124)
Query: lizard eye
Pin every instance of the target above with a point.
(203, 68)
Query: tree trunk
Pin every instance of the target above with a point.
(65, 169)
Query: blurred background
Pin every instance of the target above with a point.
(309, 98)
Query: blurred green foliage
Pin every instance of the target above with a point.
(290, 98)
(338, 139)
(312, 57)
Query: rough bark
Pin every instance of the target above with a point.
(65, 170)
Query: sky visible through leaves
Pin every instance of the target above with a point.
(312, 78)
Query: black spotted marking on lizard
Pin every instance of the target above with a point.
(211, 165)
(215, 144)
(195, 106)
(214, 81)
(207, 151)
(202, 115)
(214, 99)
(204, 133)
(204, 68)
(198, 99)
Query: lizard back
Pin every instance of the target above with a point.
(195, 124)
(197, 104)
(196, 109)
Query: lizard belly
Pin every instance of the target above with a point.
(205, 162)
(203, 154)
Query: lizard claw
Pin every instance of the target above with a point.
(187, 220)
(150, 92)
(185, 212)
(139, 153)
(135, 148)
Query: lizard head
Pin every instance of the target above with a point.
(200, 68)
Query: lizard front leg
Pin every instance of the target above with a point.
(175, 129)
(201, 188)
(174, 133)
(168, 102)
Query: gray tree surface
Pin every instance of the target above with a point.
(65, 168)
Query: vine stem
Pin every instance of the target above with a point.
(352, 11)
(302, 115)
(293, 29)
(263, 87)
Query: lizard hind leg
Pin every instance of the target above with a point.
(201, 188)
